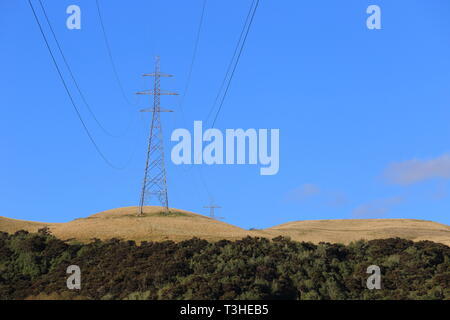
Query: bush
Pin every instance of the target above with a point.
(34, 266)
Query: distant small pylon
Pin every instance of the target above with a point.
(212, 208)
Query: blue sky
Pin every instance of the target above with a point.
(363, 114)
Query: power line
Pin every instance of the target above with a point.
(233, 57)
(191, 67)
(254, 8)
(68, 92)
(194, 56)
(188, 81)
(83, 98)
(111, 59)
(236, 64)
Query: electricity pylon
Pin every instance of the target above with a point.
(212, 208)
(155, 181)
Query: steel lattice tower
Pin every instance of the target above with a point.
(212, 208)
(155, 181)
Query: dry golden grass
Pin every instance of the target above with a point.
(348, 230)
(153, 226)
(179, 225)
(13, 225)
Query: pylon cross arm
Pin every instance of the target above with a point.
(158, 93)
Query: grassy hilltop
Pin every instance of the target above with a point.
(180, 225)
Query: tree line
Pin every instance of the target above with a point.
(34, 265)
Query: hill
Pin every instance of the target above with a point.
(180, 225)
(12, 225)
(122, 223)
(347, 230)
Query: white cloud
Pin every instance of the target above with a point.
(309, 191)
(304, 192)
(376, 209)
(414, 171)
(336, 199)
(440, 192)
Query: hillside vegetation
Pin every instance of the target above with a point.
(33, 266)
